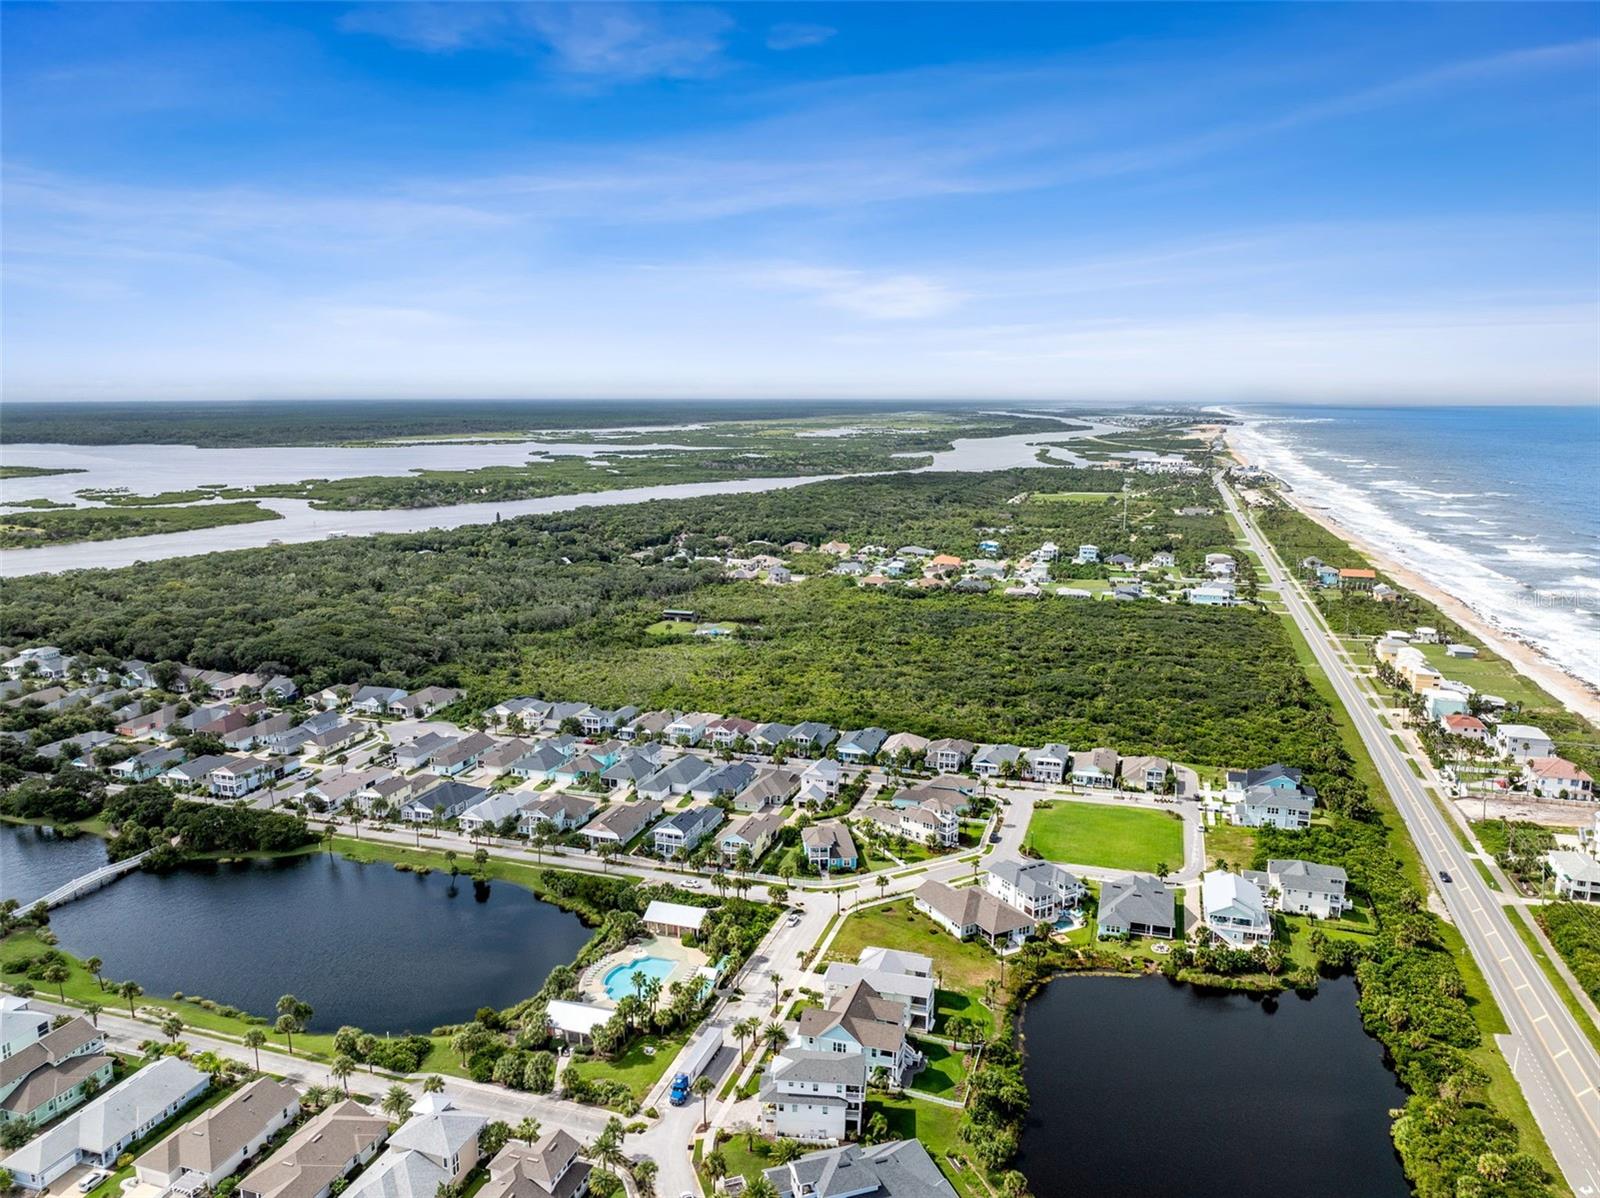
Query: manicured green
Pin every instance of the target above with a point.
(635, 1068)
(1110, 837)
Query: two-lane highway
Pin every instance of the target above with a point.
(1557, 1065)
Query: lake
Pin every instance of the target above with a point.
(1141, 1087)
(363, 944)
(34, 861)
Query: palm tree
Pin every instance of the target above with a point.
(255, 1038)
(528, 1129)
(774, 1036)
(94, 965)
(715, 1165)
(877, 1127)
(760, 1187)
(286, 1027)
(130, 991)
(746, 1029)
(341, 1069)
(432, 1084)
(644, 1177)
(702, 1087)
(883, 884)
(396, 1102)
(92, 1010)
(57, 973)
(172, 1028)
(786, 1150)
(606, 1151)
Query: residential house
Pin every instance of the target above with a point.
(1270, 807)
(755, 833)
(443, 801)
(812, 738)
(907, 743)
(601, 721)
(1049, 763)
(948, 756)
(724, 781)
(673, 919)
(485, 817)
(829, 847)
(212, 1146)
(375, 700)
(193, 774)
(675, 779)
(540, 764)
(989, 760)
(632, 767)
(1461, 651)
(150, 724)
(431, 1152)
(1277, 776)
(43, 661)
(461, 756)
(915, 991)
(559, 812)
(1468, 726)
(926, 823)
(1095, 767)
(1041, 890)
(505, 754)
(1234, 910)
(1303, 887)
(1557, 778)
(688, 729)
(263, 733)
(1523, 741)
(970, 912)
(862, 1021)
(335, 791)
(813, 1097)
(678, 834)
(81, 746)
(1137, 905)
(1577, 876)
(767, 737)
(771, 789)
(1439, 702)
(1357, 580)
(414, 754)
(619, 823)
(152, 763)
(423, 702)
(860, 747)
(331, 1146)
(651, 724)
(238, 776)
(825, 775)
(1220, 564)
(97, 1132)
(45, 1078)
(1215, 594)
(897, 1169)
(280, 688)
(728, 731)
(1087, 554)
(548, 1168)
(1146, 773)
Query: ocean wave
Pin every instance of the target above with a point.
(1507, 602)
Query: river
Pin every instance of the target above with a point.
(146, 469)
(363, 944)
(1142, 1087)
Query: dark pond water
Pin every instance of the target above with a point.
(363, 944)
(34, 861)
(1140, 1087)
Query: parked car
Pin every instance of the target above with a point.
(93, 1179)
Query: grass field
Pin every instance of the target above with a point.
(1486, 672)
(635, 1068)
(935, 1125)
(1110, 837)
(1075, 496)
(1231, 843)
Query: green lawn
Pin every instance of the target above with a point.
(1234, 844)
(898, 925)
(634, 1068)
(1110, 837)
(1489, 673)
(945, 1071)
(935, 1125)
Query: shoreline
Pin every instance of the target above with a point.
(1566, 688)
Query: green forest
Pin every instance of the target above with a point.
(20, 530)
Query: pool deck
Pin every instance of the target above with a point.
(685, 961)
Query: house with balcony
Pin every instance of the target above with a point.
(1234, 910)
(1041, 890)
(680, 833)
(863, 1022)
(814, 1097)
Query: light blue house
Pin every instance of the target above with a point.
(1327, 576)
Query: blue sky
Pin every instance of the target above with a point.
(1141, 202)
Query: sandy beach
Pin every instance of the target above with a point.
(1572, 692)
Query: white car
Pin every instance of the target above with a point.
(794, 920)
(95, 1178)
(693, 884)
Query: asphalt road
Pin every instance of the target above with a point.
(1556, 1064)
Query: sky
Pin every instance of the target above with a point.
(1132, 202)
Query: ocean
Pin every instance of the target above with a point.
(1497, 506)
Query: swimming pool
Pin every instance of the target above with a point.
(619, 979)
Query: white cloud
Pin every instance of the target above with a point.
(873, 297)
(793, 36)
(597, 40)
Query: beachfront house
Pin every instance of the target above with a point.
(1523, 741)
(1557, 778)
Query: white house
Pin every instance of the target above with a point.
(212, 1146)
(1303, 887)
(437, 1146)
(1557, 778)
(97, 1132)
(1041, 890)
(862, 1021)
(969, 912)
(1235, 911)
(914, 991)
(1577, 875)
(1523, 741)
(673, 919)
(815, 1097)
(333, 1145)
